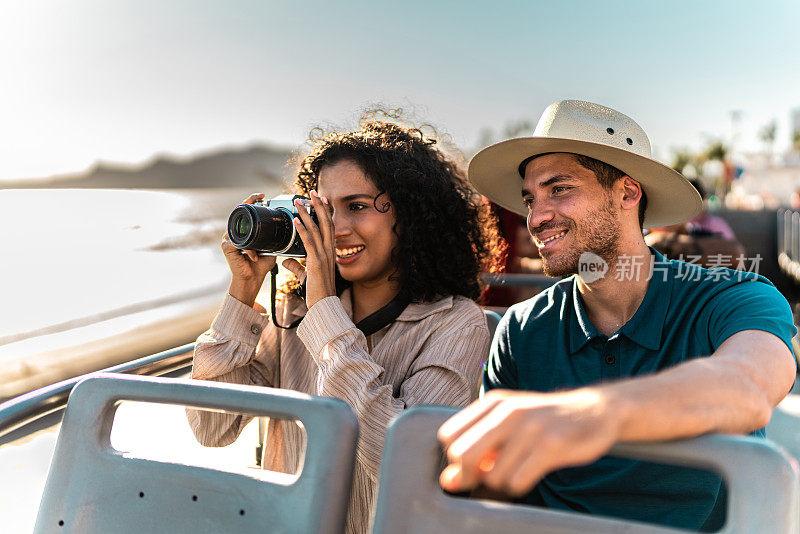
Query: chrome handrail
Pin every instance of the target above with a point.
(788, 242)
(34, 405)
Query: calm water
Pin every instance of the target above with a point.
(70, 254)
(80, 254)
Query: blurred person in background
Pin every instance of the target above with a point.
(409, 237)
(705, 239)
(521, 257)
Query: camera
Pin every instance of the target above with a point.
(267, 227)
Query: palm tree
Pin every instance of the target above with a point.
(716, 151)
(767, 135)
(681, 158)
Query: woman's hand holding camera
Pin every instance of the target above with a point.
(248, 269)
(320, 250)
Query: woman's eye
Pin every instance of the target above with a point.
(356, 206)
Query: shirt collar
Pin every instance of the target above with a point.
(581, 329)
(646, 325)
(413, 312)
(419, 310)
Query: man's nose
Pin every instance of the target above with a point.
(539, 214)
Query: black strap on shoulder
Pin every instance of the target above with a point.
(368, 325)
(383, 317)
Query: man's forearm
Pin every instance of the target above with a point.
(694, 398)
(511, 439)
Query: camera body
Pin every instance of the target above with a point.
(267, 227)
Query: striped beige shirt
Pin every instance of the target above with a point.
(431, 354)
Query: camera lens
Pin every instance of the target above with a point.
(242, 226)
(255, 227)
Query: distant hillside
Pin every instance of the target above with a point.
(253, 166)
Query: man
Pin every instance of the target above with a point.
(631, 347)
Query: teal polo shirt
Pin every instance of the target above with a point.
(548, 343)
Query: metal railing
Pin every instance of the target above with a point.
(30, 407)
(518, 280)
(788, 236)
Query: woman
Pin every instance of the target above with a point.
(402, 227)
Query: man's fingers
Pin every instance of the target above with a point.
(528, 472)
(520, 448)
(456, 478)
(463, 420)
(474, 450)
(451, 479)
(487, 434)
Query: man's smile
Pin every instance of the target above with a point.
(543, 240)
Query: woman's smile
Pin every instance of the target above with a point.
(346, 255)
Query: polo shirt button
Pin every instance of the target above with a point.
(255, 329)
(610, 359)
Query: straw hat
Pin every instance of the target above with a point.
(590, 130)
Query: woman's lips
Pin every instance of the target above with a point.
(346, 255)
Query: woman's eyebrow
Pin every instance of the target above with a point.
(356, 196)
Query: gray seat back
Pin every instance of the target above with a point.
(784, 427)
(763, 492)
(92, 487)
(492, 320)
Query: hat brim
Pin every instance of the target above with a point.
(494, 172)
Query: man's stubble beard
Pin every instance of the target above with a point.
(599, 233)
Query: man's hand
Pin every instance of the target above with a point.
(509, 440)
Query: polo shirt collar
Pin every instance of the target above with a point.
(646, 325)
(581, 329)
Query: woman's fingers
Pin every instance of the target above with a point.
(309, 232)
(252, 199)
(295, 268)
(322, 210)
(229, 248)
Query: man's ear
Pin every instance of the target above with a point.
(631, 193)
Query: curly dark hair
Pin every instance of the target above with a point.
(446, 232)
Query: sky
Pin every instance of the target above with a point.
(91, 80)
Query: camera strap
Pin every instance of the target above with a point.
(368, 325)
